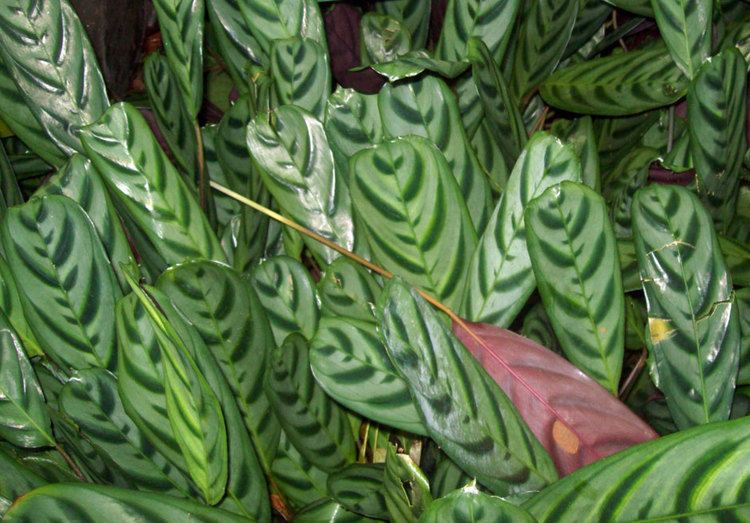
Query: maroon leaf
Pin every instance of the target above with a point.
(576, 420)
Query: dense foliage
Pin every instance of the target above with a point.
(474, 260)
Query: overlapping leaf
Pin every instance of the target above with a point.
(10, 304)
(384, 38)
(299, 481)
(301, 74)
(685, 26)
(359, 488)
(472, 506)
(414, 15)
(349, 290)
(407, 490)
(581, 136)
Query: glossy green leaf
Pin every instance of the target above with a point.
(500, 277)
(316, 426)
(359, 488)
(414, 16)
(149, 188)
(19, 476)
(742, 297)
(170, 111)
(542, 38)
(10, 304)
(685, 26)
(9, 189)
(91, 400)
(299, 481)
(414, 63)
(181, 25)
(574, 256)
(695, 475)
(79, 181)
(417, 223)
(428, 108)
(537, 327)
(46, 51)
(288, 295)
(350, 363)
(331, 512)
(692, 318)
(23, 414)
(490, 156)
(464, 410)
(68, 299)
(347, 289)
(447, 477)
(407, 490)
(580, 134)
(616, 137)
(716, 108)
(97, 503)
(230, 319)
(383, 38)
(298, 169)
(631, 277)
(620, 84)
(301, 74)
(592, 16)
(472, 506)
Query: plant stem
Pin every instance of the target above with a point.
(634, 373)
(201, 168)
(72, 464)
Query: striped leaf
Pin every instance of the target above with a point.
(428, 108)
(640, 7)
(447, 477)
(542, 38)
(464, 411)
(24, 421)
(88, 502)
(491, 21)
(231, 149)
(693, 325)
(575, 260)
(270, 20)
(316, 426)
(79, 181)
(537, 327)
(11, 192)
(631, 277)
(737, 257)
(716, 105)
(694, 475)
(171, 113)
(414, 16)
(592, 15)
(743, 311)
(148, 187)
(414, 63)
(348, 290)
(68, 299)
(685, 26)
(580, 134)
(10, 305)
(46, 51)
(407, 490)
(230, 319)
(616, 137)
(500, 277)
(301, 74)
(616, 85)
(299, 481)
(181, 25)
(351, 365)
(298, 170)
(91, 400)
(383, 38)
(489, 156)
(331, 512)
(24, 472)
(288, 295)
(417, 223)
(359, 488)
(472, 506)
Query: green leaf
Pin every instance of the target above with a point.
(542, 38)
(417, 223)
(230, 319)
(447, 477)
(500, 277)
(464, 410)
(414, 63)
(79, 181)
(351, 365)
(428, 108)
(359, 488)
(580, 135)
(148, 187)
(11, 192)
(693, 326)
(10, 304)
(22, 475)
(288, 295)
(301, 74)
(695, 475)
(616, 137)
(631, 277)
(23, 414)
(46, 51)
(574, 255)
(716, 105)
(331, 512)
(181, 25)
(490, 21)
(171, 113)
(685, 26)
(68, 298)
(536, 326)
(91, 400)
(414, 16)
(100, 503)
(588, 30)
(298, 169)
(299, 480)
(640, 7)
(616, 85)
(742, 297)
(407, 491)
(383, 38)
(471, 506)
(316, 426)
(737, 258)
(348, 290)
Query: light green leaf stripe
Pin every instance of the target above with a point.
(350, 363)
(45, 48)
(685, 26)
(693, 326)
(694, 475)
(416, 221)
(469, 505)
(500, 277)
(141, 179)
(428, 108)
(348, 290)
(68, 299)
(302, 76)
(576, 265)
(359, 487)
(10, 304)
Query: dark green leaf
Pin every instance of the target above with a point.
(471, 506)
(579, 133)
(347, 289)
(329, 511)
(407, 491)
(383, 38)
(359, 488)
